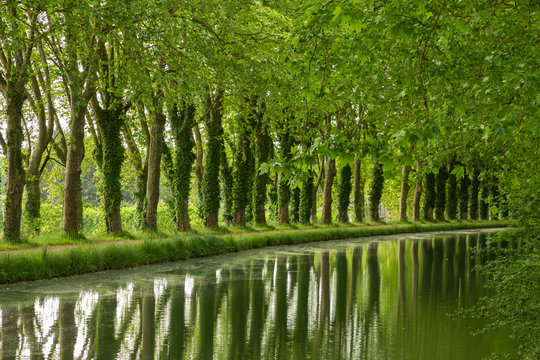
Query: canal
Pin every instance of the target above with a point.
(375, 298)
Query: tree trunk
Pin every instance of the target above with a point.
(429, 200)
(475, 189)
(15, 167)
(358, 192)
(295, 205)
(306, 199)
(344, 195)
(452, 202)
(375, 194)
(484, 204)
(326, 216)
(463, 198)
(284, 190)
(110, 123)
(72, 220)
(417, 195)
(405, 187)
(242, 176)
(211, 189)
(440, 188)
(261, 179)
(154, 169)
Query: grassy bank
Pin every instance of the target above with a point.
(50, 262)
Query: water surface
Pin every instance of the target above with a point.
(382, 298)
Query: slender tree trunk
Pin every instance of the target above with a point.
(284, 190)
(326, 216)
(73, 208)
(227, 188)
(154, 169)
(405, 187)
(261, 180)
(417, 195)
(295, 205)
(358, 192)
(15, 167)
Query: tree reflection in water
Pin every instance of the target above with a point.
(378, 300)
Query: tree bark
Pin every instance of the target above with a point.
(429, 200)
(440, 188)
(376, 191)
(263, 152)
(211, 190)
(358, 192)
(344, 194)
(154, 166)
(405, 187)
(326, 216)
(15, 98)
(417, 196)
(72, 219)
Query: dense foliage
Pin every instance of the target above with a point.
(247, 106)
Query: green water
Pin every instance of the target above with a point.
(386, 298)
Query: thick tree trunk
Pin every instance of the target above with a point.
(242, 179)
(110, 123)
(306, 199)
(72, 220)
(358, 192)
(33, 201)
(475, 190)
(417, 195)
(375, 194)
(405, 187)
(211, 189)
(440, 188)
(15, 167)
(463, 198)
(452, 199)
(295, 205)
(429, 200)
(344, 194)
(326, 216)
(154, 170)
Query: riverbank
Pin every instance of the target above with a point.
(46, 262)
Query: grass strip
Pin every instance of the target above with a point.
(21, 266)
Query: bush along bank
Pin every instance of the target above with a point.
(30, 265)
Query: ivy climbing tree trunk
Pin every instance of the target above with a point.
(484, 202)
(15, 95)
(242, 179)
(326, 216)
(262, 147)
(155, 150)
(375, 194)
(452, 198)
(295, 205)
(284, 190)
(405, 187)
(181, 125)
(463, 196)
(440, 189)
(210, 188)
(358, 192)
(344, 195)
(429, 199)
(475, 190)
(306, 199)
(417, 195)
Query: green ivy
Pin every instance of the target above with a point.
(344, 195)
(376, 191)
